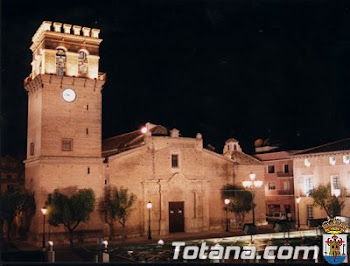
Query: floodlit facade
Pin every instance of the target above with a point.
(181, 178)
(279, 182)
(64, 115)
(322, 165)
(64, 148)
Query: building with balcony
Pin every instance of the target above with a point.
(322, 165)
(279, 182)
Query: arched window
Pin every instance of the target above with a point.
(82, 62)
(60, 62)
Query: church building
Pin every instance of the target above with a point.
(65, 151)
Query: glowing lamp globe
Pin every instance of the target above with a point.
(44, 210)
(258, 183)
(149, 205)
(144, 130)
(252, 176)
(247, 184)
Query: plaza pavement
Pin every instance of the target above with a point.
(84, 252)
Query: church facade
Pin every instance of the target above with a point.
(181, 178)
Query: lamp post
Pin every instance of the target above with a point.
(227, 202)
(251, 185)
(298, 199)
(44, 211)
(149, 207)
(49, 232)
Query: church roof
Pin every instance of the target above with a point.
(339, 145)
(278, 155)
(243, 158)
(135, 139)
(130, 140)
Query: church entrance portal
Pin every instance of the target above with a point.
(176, 217)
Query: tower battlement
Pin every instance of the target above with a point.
(65, 50)
(58, 27)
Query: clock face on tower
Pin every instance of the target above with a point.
(68, 95)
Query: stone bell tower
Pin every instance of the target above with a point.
(64, 115)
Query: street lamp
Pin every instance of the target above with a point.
(149, 207)
(144, 130)
(44, 211)
(251, 185)
(252, 176)
(298, 199)
(227, 202)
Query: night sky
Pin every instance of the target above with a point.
(243, 69)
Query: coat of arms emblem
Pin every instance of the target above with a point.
(334, 241)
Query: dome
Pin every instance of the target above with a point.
(231, 140)
(258, 143)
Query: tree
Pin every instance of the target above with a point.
(240, 200)
(116, 205)
(324, 199)
(70, 211)
(13, 203)
(106, 210)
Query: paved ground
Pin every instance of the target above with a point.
(17, 245)
(24, 251)
(188, 236)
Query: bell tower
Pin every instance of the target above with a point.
(64, 113)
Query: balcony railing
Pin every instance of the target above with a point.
(283, 174)
(285, 192)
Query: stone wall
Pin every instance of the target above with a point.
(146, 171)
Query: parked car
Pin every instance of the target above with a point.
(276, 216)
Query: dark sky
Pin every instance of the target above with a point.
(238, 68)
